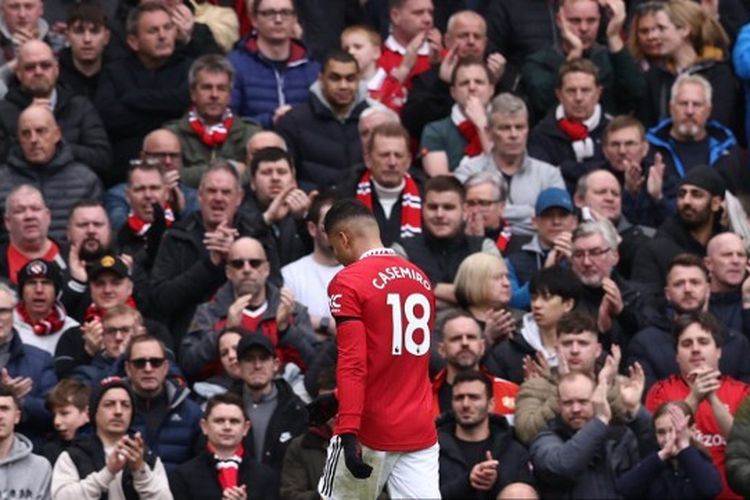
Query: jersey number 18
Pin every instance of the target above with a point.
(414, 323)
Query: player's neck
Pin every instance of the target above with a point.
(473, 433)
(373, 247)
(5, 445)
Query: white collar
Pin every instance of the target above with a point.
(393, 45)
(377, 252)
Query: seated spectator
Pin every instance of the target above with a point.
(146, 88)
(321, 131)
(688, 139)
(713, 396)
(474, 442)
(442, 245)
(81, 63)
(68, 401)
(643, 39)
(463, 134)
(461, 347)
(37, 84)
(86, 470)
(486, 199)
(726, 259)
(223, 468)
(620, 83)
(276, 413)
(249, 301)
(681, 468)
(209, 129)
(526, 176)
(27, 372)
(599, 193)
(687, 291)
(273, 68)
(39, 318)
(163, 414)
(227, 341)
(42, 159)
(220, 20)
(261, 140)
(700, 196)
(554, 291)
(583, 451)
(27, 220)
(24, 473)
(161, 147)
(308, 277)
(570, 135)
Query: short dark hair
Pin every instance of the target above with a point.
(621, 122)
(69, 391)
(6, 391)
(575, 322)
(135, 14)
(256, 6)
(687, 260)
(338, 55)
(705, 320)
(557, 280)
(87, 11)
(144, 166)
(474, 376)
(447, 315)
(323, 199)
(577, 66)
(226, 398)
(345, 209)
(470, 61)
(86, 203)
(141, 339)
(229, 329)
(444, 183)
(268, 155)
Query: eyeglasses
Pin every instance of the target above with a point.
(140, 363)
(481, 203)
(240, 263)
(592, 254)
(31, 66)
(272, 13)
(114, 330)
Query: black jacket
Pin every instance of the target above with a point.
(454, 471)
(440, 258)
(505, 359)
(79, 122)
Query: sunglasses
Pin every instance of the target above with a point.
(140, 363)
(240, 263)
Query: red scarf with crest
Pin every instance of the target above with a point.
(141, 227)
(411, 203)
(228, 468)
(52, 323)
(215, 135)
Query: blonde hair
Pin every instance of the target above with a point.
(473, 278)
(704, 29)
(370, 33)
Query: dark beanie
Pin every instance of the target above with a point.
(707, 178)
(98, 390)
(39, 268)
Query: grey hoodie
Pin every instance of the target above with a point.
(23, 474)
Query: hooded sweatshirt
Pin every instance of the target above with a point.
(23, 474)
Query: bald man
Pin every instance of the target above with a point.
(36, 82)
(44, 161)
(726, 261)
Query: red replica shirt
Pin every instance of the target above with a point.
(384, 308)
(731, 392)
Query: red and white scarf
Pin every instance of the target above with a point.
(411, 203)
(212, 136)
(52, 323)
(578, 131)
(228, 468)
(93, 312)
(141, 227)
(468, 131)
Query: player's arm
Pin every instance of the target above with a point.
(351, 373)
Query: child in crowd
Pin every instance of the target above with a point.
(69, 403)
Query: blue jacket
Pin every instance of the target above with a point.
(741, 61)
(259, 87)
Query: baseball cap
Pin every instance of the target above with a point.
(39, 268)
(108, 263)
(254, 340)
(553, 197)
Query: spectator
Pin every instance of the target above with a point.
(600, 194)
(699, 198)
(474, 442)
(308, 277)
(188, 269)
(518, 490)
(526, 176)
(688, 139)
(163, 414)
(130, 470)
(220, 20)
(42, 159)
(247, 300)
(22, 473)
(713, 396)
(226, 349)
(736, 452)
(321, 132)
(620, 84)
(276, 413)
(273, 68)
(261, 140)
(81, 63)
(37, 74)
(726, 259)
(567, 457)
(39, 318)
(687, 291)
(441, 247)
(486, 200)
(681, 468)
(224, 468)
(27, 221)
(643, 40)
(461, 347)
(370, 119)
(385, 185)
(463, 134)
(143, 90)
(554, 291)
(209, 130)
(570, 135)
(68, 401)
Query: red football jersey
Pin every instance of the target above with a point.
(384, 309)
(731, 392)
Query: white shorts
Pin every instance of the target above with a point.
(411, 474)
